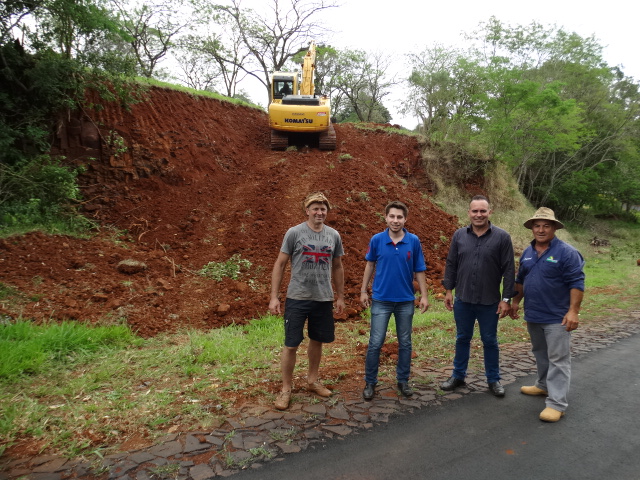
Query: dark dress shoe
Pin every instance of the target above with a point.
(451, 384)
(405, 389)
(496, 389)
(369, 391)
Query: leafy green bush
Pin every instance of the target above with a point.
(40, 193)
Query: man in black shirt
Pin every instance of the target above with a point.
(480, 259)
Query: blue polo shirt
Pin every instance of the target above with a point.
(548, 280)
(395, 266)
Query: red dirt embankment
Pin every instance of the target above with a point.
(198, 183)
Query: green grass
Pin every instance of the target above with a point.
(231, 268)
(26, 348)
(73, 225)
(191, 91)
(236, 350)
(611, 286)
(435, 333)
(57, 380)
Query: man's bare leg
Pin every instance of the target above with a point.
(314, 353)
(287, 364)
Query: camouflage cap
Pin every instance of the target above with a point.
(543, 213)
(316, 197)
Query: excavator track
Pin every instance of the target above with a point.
(279, 140)
(327, 140)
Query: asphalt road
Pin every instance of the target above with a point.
(483, 437)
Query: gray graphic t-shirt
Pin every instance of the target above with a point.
(312, 255)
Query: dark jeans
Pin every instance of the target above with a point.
(466, 315)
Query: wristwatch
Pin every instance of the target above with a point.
(508, 300)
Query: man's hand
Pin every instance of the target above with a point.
(364, 299)
(424, 304)
(274, 306)
(448, 300)
(513, 311)
(571, 320)
(503, 309)
(340, 306)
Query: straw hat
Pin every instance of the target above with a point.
(316, 197)
(544, 213)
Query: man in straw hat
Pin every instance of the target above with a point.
(315, 251)
(551, 280)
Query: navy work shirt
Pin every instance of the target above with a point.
(548, 280)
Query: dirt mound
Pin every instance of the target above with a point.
(179, 181)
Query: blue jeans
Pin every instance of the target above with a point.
(380, 315)
(466, 315)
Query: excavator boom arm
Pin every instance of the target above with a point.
(308, 69)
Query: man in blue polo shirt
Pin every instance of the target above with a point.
(551, 280)
(395, 257)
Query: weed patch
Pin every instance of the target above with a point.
(231, 268)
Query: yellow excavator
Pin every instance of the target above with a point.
(296, 110)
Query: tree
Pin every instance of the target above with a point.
(198, 69)
(152, 29)
(274, 36)
(217, 57)
(362, 82)
(446, 89)
(432, 90)
(541, 100)
(37, 81)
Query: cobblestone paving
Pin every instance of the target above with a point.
(260, 434)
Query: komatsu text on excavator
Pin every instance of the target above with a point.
(295, 108)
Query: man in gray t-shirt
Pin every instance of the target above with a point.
(315, 251)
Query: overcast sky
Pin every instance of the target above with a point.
(400, 26)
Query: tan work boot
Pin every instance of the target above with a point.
(282, 400)
(319, 389)
(550, 415)
(533, 390)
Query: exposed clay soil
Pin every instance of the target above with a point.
(198, 183)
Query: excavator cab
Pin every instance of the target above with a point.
(282, 86)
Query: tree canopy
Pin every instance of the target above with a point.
(541, 100)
